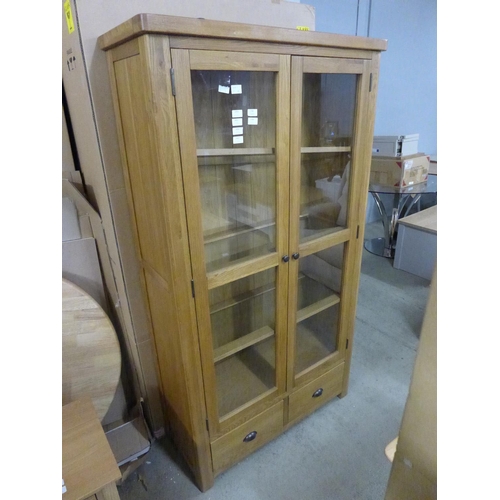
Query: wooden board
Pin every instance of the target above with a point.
(91, 359)
(88, 464)
(426, 220)
(174, 25)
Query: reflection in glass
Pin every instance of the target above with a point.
(235, 120)
(319, 283)
(328, 109)
(242, 317)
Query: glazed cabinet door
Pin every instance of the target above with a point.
(233, 119)
(329, 99)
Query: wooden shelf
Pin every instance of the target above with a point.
(326, 149)
(316, 339)
(242, 343)
(317, 307)
(225, 249)
(220, 306)
(231, 233)
(247, 375)
(235, 151)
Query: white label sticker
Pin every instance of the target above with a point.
(237, 113)
(235, 89)
(223, 89)
(237, 122)
(237, 130)
(252, 112)
(253, 121)
(238, 139)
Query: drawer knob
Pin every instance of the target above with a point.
(318, 393)
(250, 437)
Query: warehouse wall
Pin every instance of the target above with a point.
(407, 101)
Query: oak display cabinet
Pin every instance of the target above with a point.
(246, 152)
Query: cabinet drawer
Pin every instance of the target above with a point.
(240, 442)
(306, 399)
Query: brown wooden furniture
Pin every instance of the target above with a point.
(247, 152)
(89, 469)
(91, 358)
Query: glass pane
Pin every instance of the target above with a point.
(319, 282)
(238, 208)
(235, 120)
(328, 109)
(243, 320)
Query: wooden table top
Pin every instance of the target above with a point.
(426, 220)
(91, 358)
(88, 464)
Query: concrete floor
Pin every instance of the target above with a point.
(337, 453)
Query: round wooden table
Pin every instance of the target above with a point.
(91, 359)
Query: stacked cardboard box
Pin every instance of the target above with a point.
(399, 171)
(396, 162)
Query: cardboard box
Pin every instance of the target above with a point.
(404, 171)
(90, 107)
(395, 145)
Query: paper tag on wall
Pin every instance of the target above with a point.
(237, 130)
(252, 112)
(236, 89)
(237, 122)
(237, 113)
(253, 121)
(69, 16)
(238, 139)
(223, 89)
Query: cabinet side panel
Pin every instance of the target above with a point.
(151, 158)
(365, 121)
(174, 389)
(143, 173)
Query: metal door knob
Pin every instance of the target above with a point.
(250, 437)
(318, 393)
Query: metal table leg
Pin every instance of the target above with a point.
(382, 246)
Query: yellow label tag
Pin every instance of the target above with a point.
(69, 16)
(303, 28)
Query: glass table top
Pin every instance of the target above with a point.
(430, 186)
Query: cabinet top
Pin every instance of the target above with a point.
(172, 25)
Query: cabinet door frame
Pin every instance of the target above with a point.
(183, 61)
(349, 235)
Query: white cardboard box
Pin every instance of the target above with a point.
(395, 145)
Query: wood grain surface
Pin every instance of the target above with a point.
(174, 25)
(91, 360)
(426, 220)
(88, 464)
